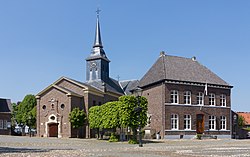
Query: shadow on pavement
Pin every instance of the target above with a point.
(23, 150)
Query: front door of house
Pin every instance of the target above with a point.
(53, 130)
(200, 124)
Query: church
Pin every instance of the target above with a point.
(185, 98)
(56, 101)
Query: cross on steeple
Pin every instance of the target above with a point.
(98, 12)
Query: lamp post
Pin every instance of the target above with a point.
(235, 125)
(138, 109)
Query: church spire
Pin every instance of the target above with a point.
(98, 40)
(97, 50)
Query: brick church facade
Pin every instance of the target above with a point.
(56, 101)
(186, 98)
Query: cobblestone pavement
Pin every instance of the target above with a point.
(11, 146)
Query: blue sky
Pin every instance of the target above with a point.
(42, 40)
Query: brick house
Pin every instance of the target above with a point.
(56, 101)
(186, 98)
(5, 116)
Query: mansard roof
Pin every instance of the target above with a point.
(5, 105)
(174, 68)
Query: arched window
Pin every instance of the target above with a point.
(212, 99)
(174, 122)
(223, 100)
(187, 97)
(200, 98)
(174, 98)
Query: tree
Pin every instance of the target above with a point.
(241, 121)
(118, 114)
(128, 114)
(77, 118)
(110, 115)
(26, 111)
(13, 114)
(94, 118)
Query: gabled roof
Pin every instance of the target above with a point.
(110, 86)
(180, 69)
(65, 90)
(129, 85)
(5, 105)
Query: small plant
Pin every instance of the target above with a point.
(198, 136)
(132, 141)
(113, 138)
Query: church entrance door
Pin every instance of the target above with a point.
(200, 124)
(53, 130)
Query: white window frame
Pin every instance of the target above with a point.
(223, 123)
(200, 98)
(187, 122)
(223, 100)
(174, 97)
(212, 122)
(1, 124)
(5, 124)
(174, 122)
(187, 97)
(212, 99)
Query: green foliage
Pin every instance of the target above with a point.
(25, 112)
(110, 115)
(13, 114)
(241, 121)
(118, 114)
(113, 138)
(128, 115)
(133, 141)
(94, 117)
(77, 118)
(198, 136)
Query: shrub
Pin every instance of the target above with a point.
(113, 138)
(132, 141)
(198, 136)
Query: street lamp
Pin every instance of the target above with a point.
(235, 125)
(138, 109)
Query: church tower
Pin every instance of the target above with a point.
(97, 63)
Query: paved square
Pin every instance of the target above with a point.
(53, 147)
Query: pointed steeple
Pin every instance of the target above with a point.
(98, 40)
(97, 50)
(97, 68)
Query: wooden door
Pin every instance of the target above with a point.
(53, 130)
(200, 124)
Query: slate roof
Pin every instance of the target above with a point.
(129, 85)
(111, 86)
(5, 105)
(180, 69)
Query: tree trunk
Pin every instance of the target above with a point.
(134, 134)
